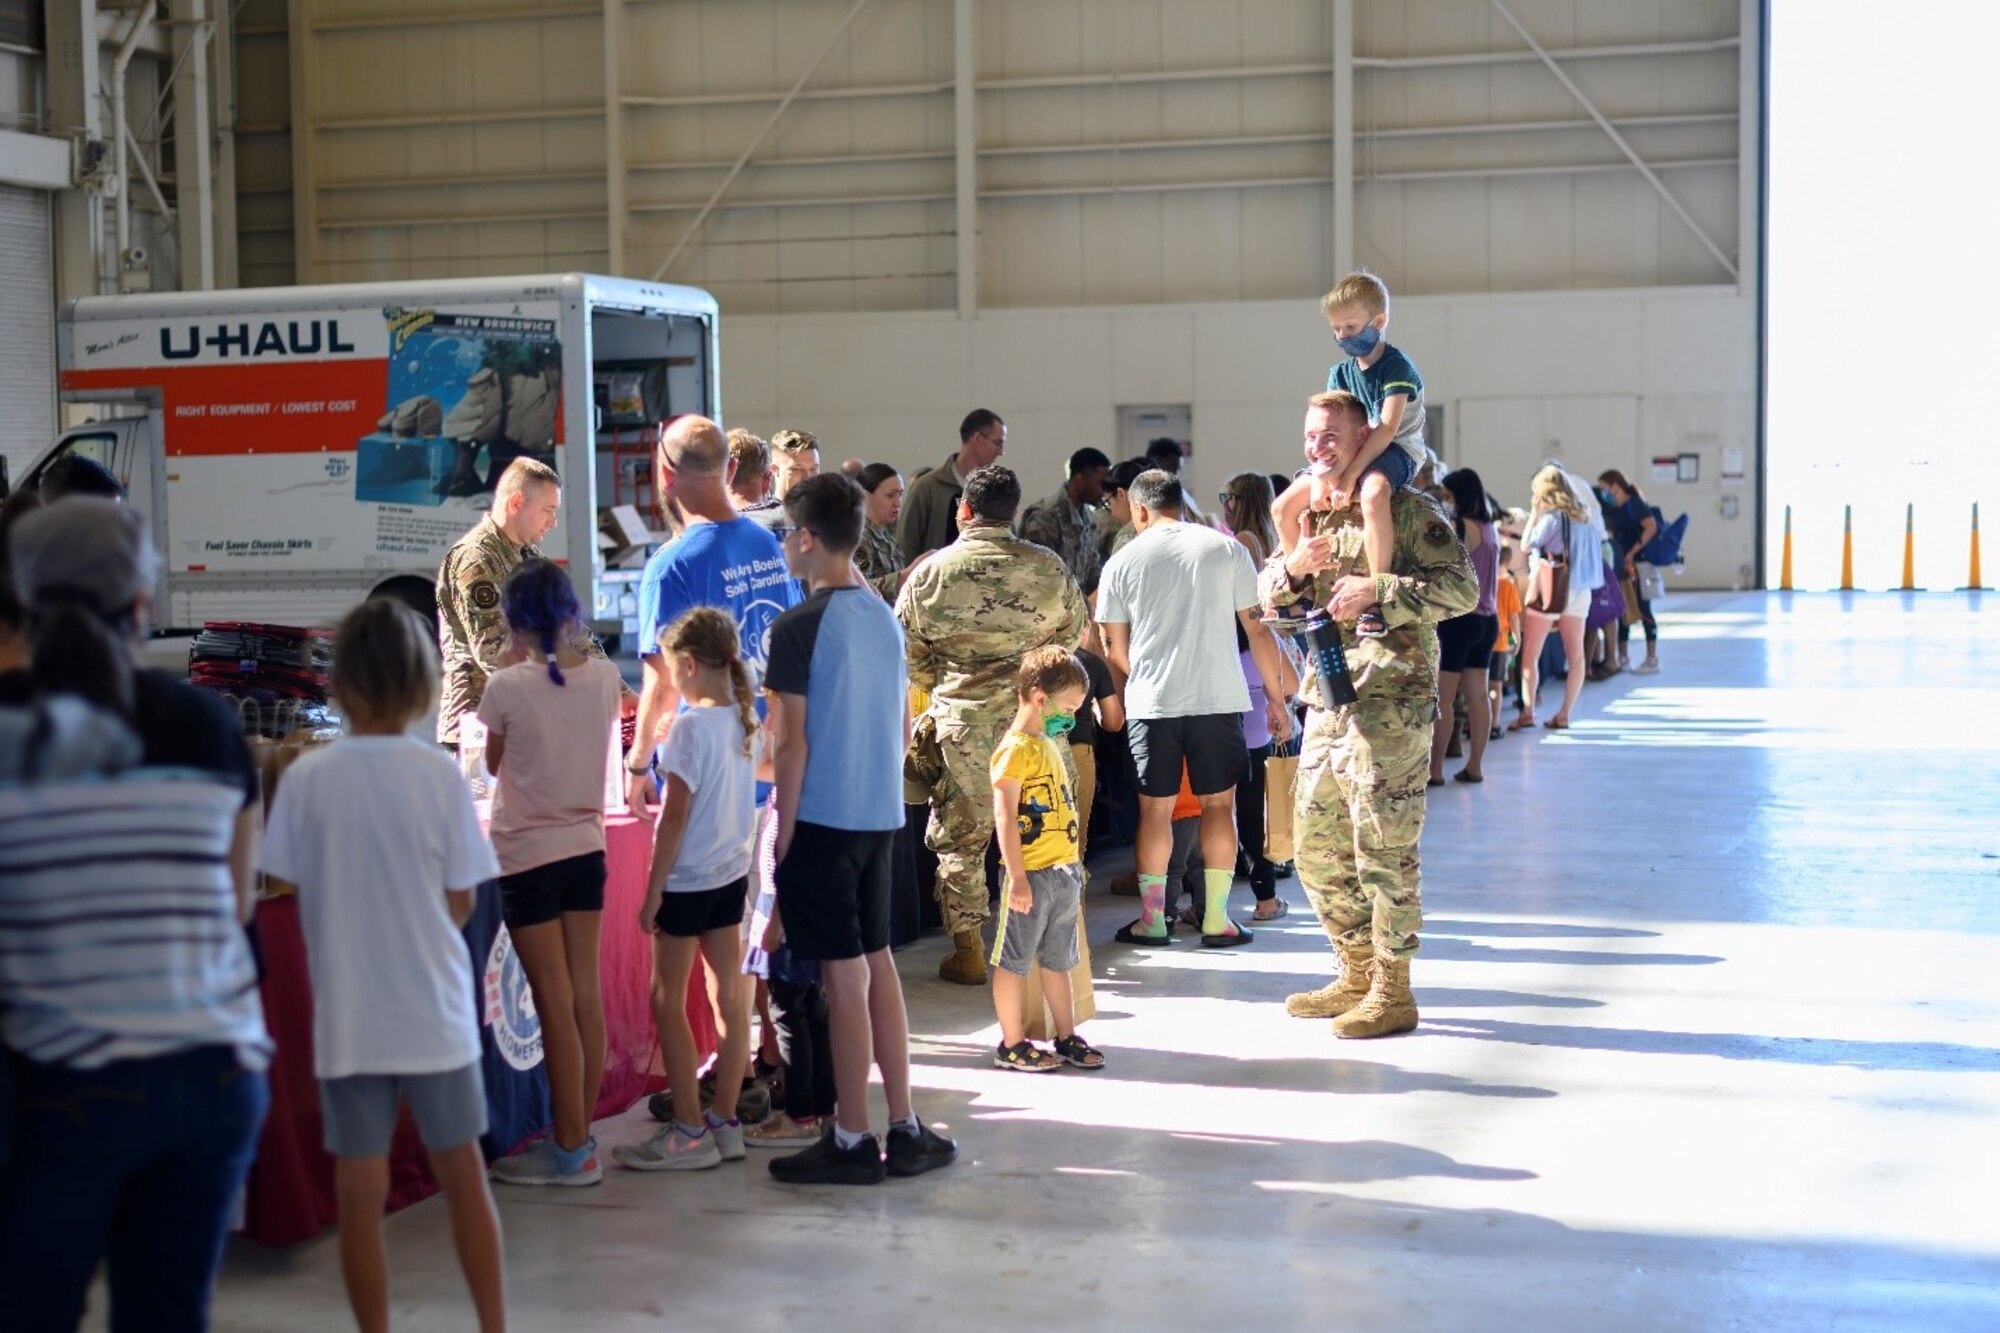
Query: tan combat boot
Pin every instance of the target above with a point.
(966, 965)
(1388, 1008)
(1357, 963)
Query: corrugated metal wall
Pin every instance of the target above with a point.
(1128, 151)
(27, 335)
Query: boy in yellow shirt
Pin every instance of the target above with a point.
(1034, 813)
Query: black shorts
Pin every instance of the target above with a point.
(833, 891)
(1465, 643)
(1211, 745)
(535, 897)
(688, 915)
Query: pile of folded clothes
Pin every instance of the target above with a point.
(277, 675)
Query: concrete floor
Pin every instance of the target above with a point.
(1709, 1041)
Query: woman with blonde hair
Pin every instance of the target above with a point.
(1561, 535)
(1246, 509)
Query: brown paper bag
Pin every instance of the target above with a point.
(1279, 772)
(1035, 1015)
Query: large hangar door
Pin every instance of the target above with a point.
(27, 334)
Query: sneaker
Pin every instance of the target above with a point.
(728, 1139)
(538, 1166)
(781, 1131)
(827, 1163)
(669, 1149)
(913, 1154)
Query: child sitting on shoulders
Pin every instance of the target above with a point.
(1392, 394)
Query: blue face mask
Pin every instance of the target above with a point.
(1058, 725)
(1362, 343)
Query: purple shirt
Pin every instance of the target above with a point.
(1486, 566)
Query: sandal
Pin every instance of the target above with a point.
(1024, 1057)
(1434, 782)
(1283, 909)
(1557, 724)
(1229, 940)
(1371, 625)
(1522, 723)
(1130, 934)
(1078, 1053)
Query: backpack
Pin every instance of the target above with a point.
(1665, 548)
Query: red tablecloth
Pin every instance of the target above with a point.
(291, 1186)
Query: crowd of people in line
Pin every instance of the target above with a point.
(818, 652)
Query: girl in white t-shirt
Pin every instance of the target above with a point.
(698, 882)
(379, 834)
(548, 739)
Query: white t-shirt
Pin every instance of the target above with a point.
(704, 749)
(373, 830)
(1179, 587)
(550, 802)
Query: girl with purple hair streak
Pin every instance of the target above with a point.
(549, 718)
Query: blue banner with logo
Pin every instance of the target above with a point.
(510, 1033)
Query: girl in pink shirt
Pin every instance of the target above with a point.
(549, 721)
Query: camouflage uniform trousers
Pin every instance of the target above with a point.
(1359, 802)
(961, 823)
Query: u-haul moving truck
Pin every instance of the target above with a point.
(303, 448)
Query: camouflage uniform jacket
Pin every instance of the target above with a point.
(880, 560)
(1432, 580)
(472, 634)
(973, 609)
(1070, 531)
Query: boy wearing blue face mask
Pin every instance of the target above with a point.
(1392, 391)
(1034, 814)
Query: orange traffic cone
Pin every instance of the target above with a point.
(1847, 550)
(1909, 583)
(1972, 583)
(1785, 565)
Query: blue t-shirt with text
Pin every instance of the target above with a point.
(736, 567)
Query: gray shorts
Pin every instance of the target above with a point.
(360, 1110)
(1046, 933)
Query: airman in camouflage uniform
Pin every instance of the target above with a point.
(1066, 521)
(472, 634)
(1359, 795)
(969, 611)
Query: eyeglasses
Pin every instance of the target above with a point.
(1224, 498)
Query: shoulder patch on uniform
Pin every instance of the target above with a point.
(484, 595)
(1437, 534)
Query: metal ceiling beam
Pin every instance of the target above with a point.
(1583, 100)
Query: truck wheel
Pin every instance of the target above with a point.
(416, 594)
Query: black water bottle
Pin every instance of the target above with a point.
(1321, 635)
